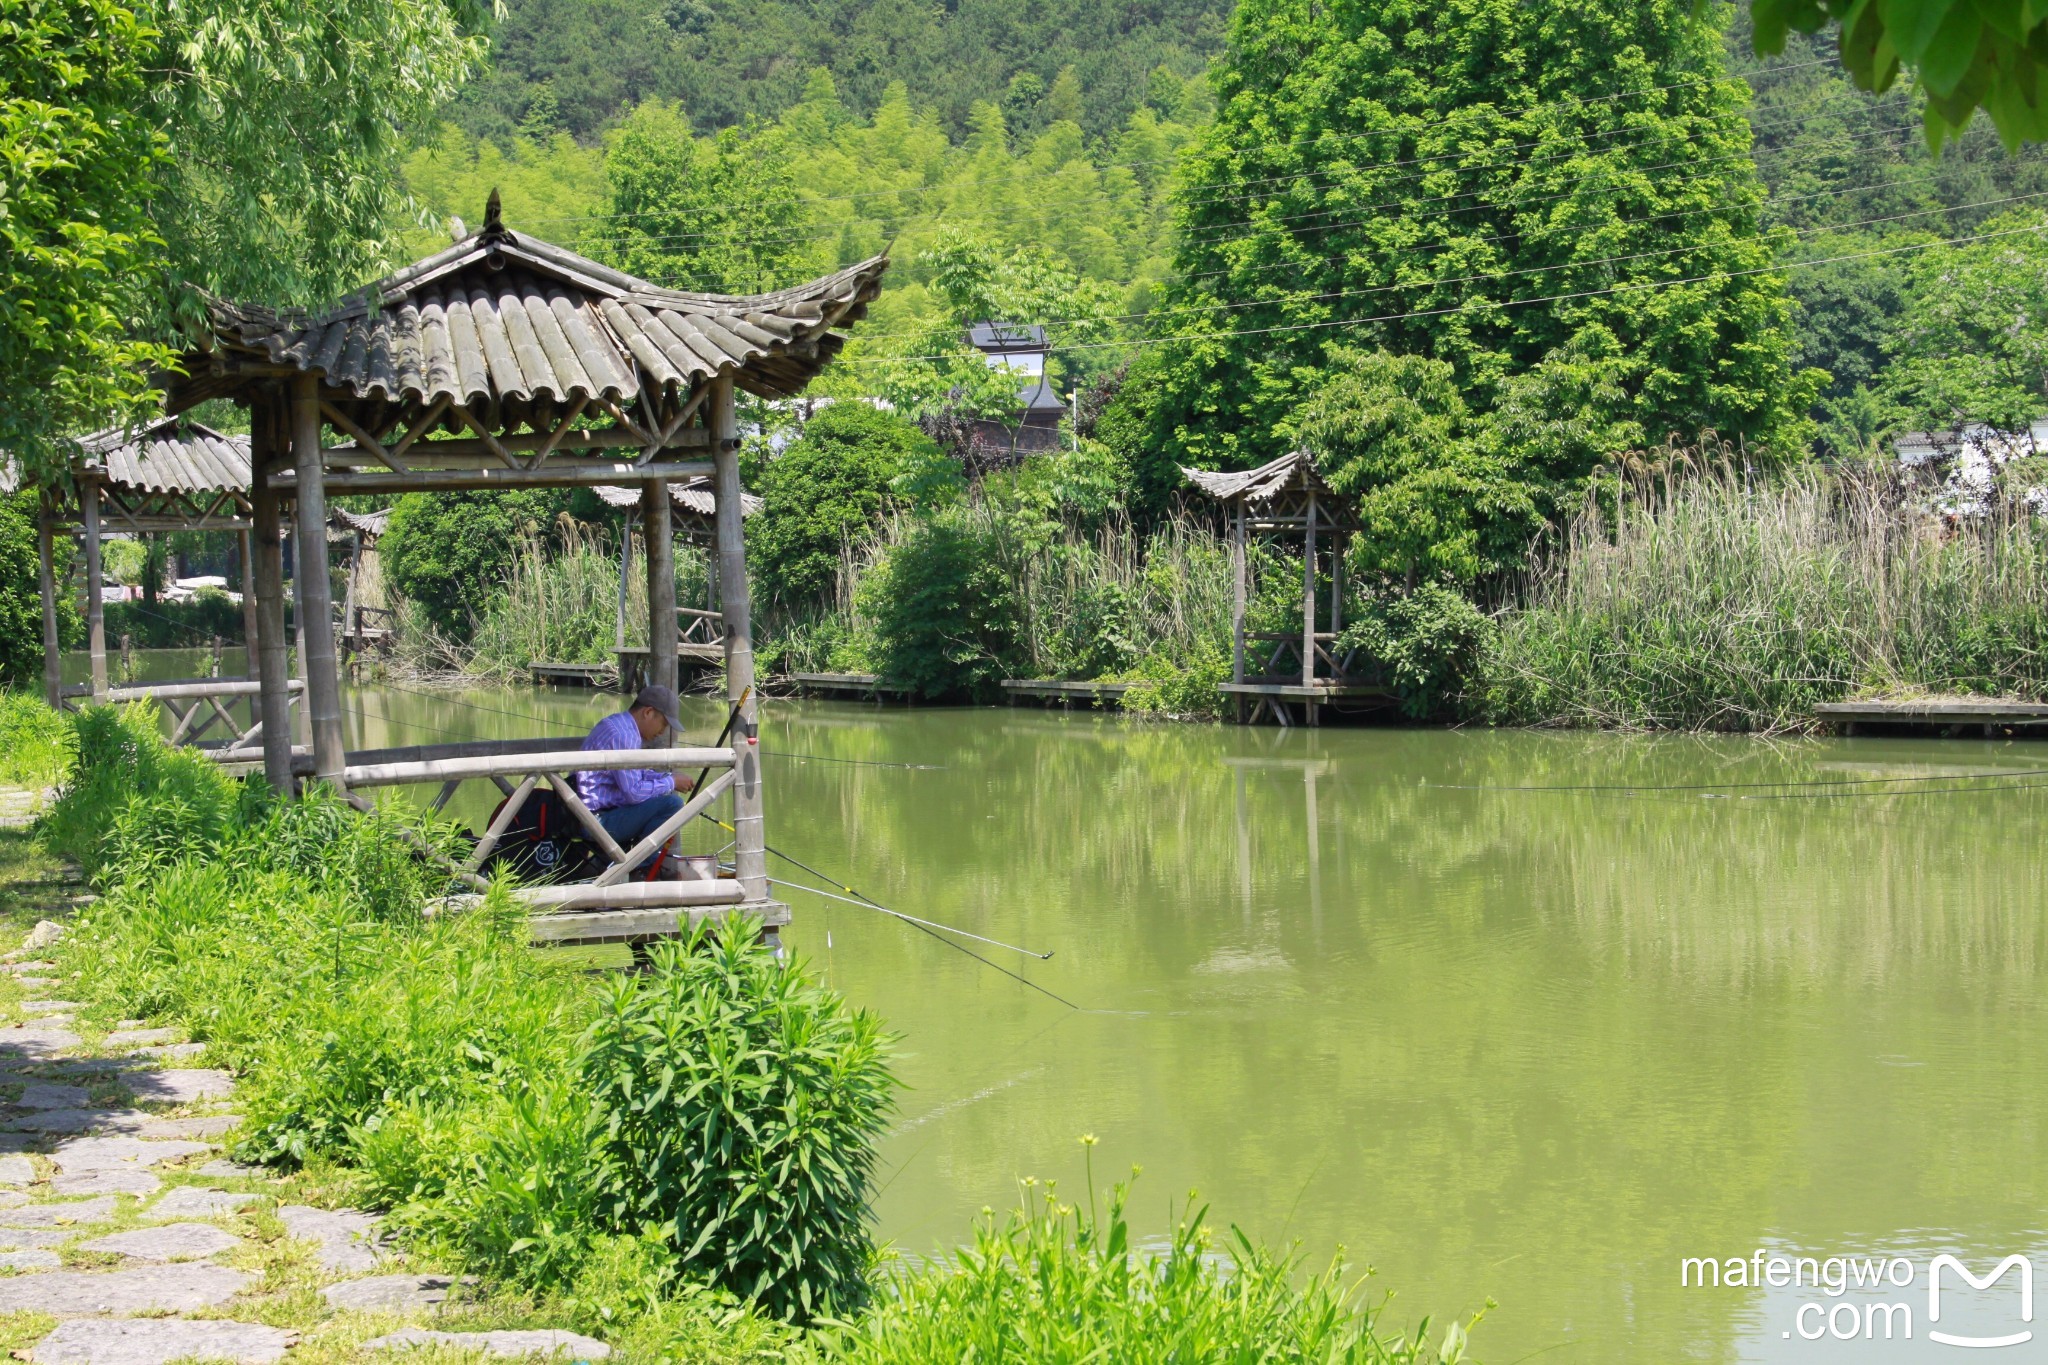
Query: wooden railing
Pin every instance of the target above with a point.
(203, 706)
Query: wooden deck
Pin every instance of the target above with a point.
(1951, 715)
(573, 675)
(1050, 690)
(1274, 697)
(865, 685)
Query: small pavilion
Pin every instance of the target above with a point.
(1288, 502)
(506, 362)
(171, 474)
(700, 639)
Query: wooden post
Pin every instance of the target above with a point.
(316, 606)
(657, 527)
(1238, 569)
(95, 588)
(625, 570)
(1336, 584)
(53, 657)
(351, 628)
(251, 631)
(750, 849)
(1308, 600)
(266, 578)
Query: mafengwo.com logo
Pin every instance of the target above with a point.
(1883, 1298)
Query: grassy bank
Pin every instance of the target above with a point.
(678, 1162)
(1715, 603)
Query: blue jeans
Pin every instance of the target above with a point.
(630, 824)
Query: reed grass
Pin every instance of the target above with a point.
(1716, 603)
(35, 742)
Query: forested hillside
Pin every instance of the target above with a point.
(579, 64)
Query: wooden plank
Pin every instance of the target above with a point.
(592, 826)
(1296, 692)
(1935, 709)
(610, 926)
(510, 765)
(556, 475)
(503, 821)
(202, 687)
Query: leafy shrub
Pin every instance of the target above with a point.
(1180, 687)
(133, 803)
(823, 494)
(448, 551)
(21, 601)
(944, 609)
(1055, 1282)
(740, 1101)
(177, 625)
(1424, 644)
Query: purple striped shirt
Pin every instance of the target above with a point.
(609, 789)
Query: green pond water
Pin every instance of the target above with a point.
(1526, 1017)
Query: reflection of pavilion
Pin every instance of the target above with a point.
(1271, 671)
(1310, 769)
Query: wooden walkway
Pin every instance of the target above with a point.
(1273, 697)
(573, 675)
(868, 686)
(1951, 715)
(1051, 690)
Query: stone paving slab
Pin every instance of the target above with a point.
(37, 981)
(171, 1051)
(159, 1341)
(234, 1170)
(10, 1199)
(196, 1201)
(35, 965)
(50, 1095)
(346, 1238)
(81, 1121)
(30, 1259)
(496, 1343)
(144, 1289)
(186, 1086)
(171, 1242)
(59, 1215)
(397, 1293)
(36, 1044)
(113, 1153)
(138, 1037)
(206, 1126)
(13, 1239)
(52, 1006)
(125, 1180)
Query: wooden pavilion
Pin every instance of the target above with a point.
(700, 638)
(1288, 501)
(507, 362)
(172, 474)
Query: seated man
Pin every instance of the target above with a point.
(630, 802)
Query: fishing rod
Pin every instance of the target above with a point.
(731, 717)
(912, 919)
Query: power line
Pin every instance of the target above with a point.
(1297, 300)
(1636, 287)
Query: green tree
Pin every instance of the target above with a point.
(1435, 182)
(1971, 344)
(75, 142)
(1963, 55)
(824, 493)
(449, 552)
(720, 215)
(21, 605)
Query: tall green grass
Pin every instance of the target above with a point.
(35, 742)
(1721, 604)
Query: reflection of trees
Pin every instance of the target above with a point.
(1536, 1045)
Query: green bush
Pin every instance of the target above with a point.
(449, 552)
(944, 609)
(824, 494)
(21, 599)
(35, 741)
(739, 1104)
(1055, 1282)
(177, 625)
(1425, 645)
(133, 803)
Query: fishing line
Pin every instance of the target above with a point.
(913, 919)
(1738, 786)
(919, 925)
